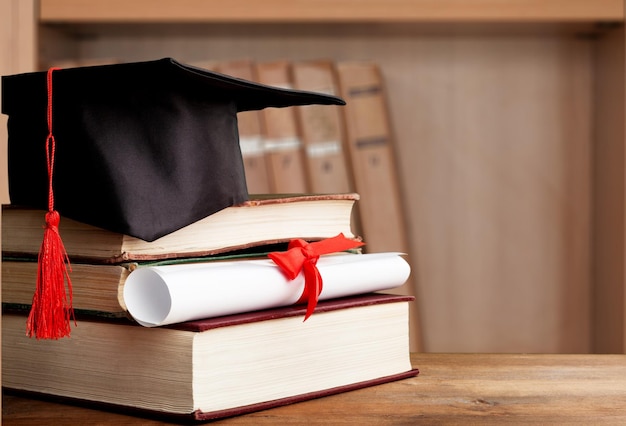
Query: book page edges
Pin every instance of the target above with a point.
(117, 248)
(199, 415)
(289, 311)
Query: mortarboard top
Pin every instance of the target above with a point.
(142, 148)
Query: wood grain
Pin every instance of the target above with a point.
(451, 389)
(494, 140)
(609, 247)
(330, 10)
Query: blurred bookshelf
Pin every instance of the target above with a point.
(508, 125)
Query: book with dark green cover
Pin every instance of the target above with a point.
(97, 287)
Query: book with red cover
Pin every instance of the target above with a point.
(219, 367)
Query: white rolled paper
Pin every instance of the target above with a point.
(161, 295)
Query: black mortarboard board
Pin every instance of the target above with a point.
(142, 148)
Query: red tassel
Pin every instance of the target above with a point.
(51, 309)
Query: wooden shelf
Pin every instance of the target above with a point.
(380, 11)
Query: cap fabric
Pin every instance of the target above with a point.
(142, 148)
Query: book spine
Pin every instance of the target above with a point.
(282, 143)
(322, 129)
(372, 156)
(371, 150)
(250, 134)
(97, 288)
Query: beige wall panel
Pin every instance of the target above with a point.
(608, 243)
(498, 182)
(17, 54)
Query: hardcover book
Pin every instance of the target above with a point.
(372, 153)
(322, 129)
(218, 367)
(250, 133)
(265, 219)
(281, 134)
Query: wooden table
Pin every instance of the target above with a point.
(454, 388)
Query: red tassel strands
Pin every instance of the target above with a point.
(51, 310)
(303, 256)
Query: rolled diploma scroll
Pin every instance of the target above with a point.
(162, 295)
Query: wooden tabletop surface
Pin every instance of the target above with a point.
(451, 388)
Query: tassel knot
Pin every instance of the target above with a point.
(53, 219)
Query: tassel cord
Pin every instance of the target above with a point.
(51, 311)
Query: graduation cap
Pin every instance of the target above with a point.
(141, 148)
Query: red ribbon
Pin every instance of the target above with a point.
(303, 256)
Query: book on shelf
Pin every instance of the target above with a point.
(219, 367)
(372, 157)
(250, 134)
(372, 153)
(281, 135)
(264, 219)
(161, 294)
(322, 129)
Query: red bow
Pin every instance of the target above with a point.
(302, 256)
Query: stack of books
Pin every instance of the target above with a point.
(201, 323)
(324, 149)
